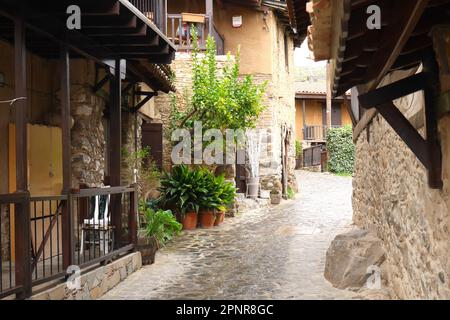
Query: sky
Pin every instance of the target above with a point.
(302, 57)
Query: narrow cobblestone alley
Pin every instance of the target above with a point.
(277, 253)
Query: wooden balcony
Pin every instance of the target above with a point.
(178, 27)
(316, 133)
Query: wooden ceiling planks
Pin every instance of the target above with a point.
(110, 29)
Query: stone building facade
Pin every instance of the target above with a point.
(392, 197)
(276, 67)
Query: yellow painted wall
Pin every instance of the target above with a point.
(254, 37)
(314, 115)
(44, 178)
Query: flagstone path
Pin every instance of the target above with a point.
(278, 253)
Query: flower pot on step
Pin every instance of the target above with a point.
(189, 220)
(207, 219)
(220, 218)
(275, 198)
(147, 247)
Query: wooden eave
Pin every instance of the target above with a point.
(109, 29)
(366, 56)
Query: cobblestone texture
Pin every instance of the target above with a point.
(275, 253)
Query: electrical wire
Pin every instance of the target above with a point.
(12, 101)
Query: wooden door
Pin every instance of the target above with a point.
(152, 137)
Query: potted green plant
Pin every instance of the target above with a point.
(227, 195)
(298, 155)
(180, 190)
(157, 229)
(208, 198)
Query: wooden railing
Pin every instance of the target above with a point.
(42, 236)
(154, 10)
(180, 33)
(316, 133)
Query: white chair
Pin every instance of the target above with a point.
(99, 224)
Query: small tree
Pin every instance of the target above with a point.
(220, 101)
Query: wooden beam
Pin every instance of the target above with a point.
(115, 147)
(22, 210)
(393, 91)
(66, 209)
(101, 83)
(432, 91)
(406, 131)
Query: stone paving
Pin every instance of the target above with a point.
(275, 253)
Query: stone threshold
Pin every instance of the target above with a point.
(97, 282)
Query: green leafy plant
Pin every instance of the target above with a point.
(183, 188)
(160, 224)
(148, 175)
(341, 150)
(220, 195)
(290, 193)
(298, 149)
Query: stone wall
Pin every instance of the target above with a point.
(392, 197)
(88, 137)
(4, 233)
(96, 283)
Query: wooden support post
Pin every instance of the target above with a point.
(132, 218)
(432, 90)
(66, 219)
(329, 97)
(115, 147)
(304, 118)
(22, 210)
(210, 12)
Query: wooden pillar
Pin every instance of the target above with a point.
(132, 218)
(329, 99)
(431, 68)
(66, 219)
(210, 12)
(22, 210)
(115, 147)
(304, 118)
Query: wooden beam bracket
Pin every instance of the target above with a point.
(101, 83)
(427, 150)
(148, 96)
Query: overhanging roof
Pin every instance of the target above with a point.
(109, 29)
(359, 55)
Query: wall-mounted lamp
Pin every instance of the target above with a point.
(2, 80)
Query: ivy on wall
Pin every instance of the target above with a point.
(341, 150)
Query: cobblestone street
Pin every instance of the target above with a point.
(278, 253)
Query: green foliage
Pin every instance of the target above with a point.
(298, 149)
(161, 224)
(220, 100)
(182, 188)
(191, 189)
(220, 194)
(290, 192)
(148, 173)
(341, 150)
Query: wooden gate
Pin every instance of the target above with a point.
(312, 156)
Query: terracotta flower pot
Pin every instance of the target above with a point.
(207, 219)
(189, 221)
(220, 217)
